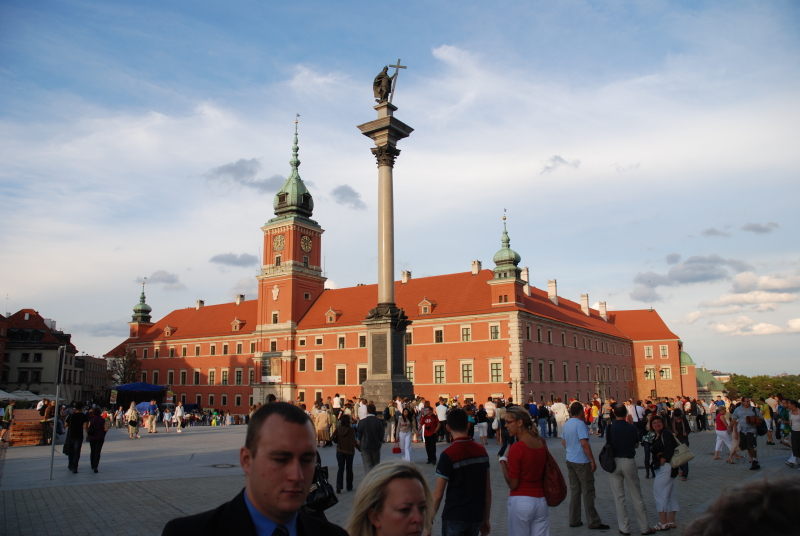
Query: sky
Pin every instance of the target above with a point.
(645, 153)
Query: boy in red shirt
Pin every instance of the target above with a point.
(431, 424)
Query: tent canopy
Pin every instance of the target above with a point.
(6, 396)
(141, 407)
(140, 386)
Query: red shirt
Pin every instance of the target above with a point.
(430, 422)
(527, 465)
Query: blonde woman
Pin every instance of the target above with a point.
(393, 499)
(132, 416)
(523, 470)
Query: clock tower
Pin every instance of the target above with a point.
(290, 280)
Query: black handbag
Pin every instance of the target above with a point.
(607, 455)
(322, 495)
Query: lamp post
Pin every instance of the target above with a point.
(655, 381)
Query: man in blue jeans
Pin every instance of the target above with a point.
(463, 470)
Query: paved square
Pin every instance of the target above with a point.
(171, 475)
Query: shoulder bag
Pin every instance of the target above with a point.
(606, 456)
(321, 497)
(555, 488)
(682, 455)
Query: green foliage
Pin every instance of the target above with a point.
(762, 386)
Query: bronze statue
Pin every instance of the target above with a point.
(382, 86)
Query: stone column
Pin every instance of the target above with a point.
(386, 324)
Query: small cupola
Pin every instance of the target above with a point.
(294, 199)
(506, 260)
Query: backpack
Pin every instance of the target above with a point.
(386, 414)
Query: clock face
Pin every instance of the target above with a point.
(305, 243)
(278, 242)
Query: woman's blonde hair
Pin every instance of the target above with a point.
(519, 414)
(371, 495)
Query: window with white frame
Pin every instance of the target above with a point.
(496, 372)
(466, 372)
(648, 351)
(494, 332)
(664, 351)
(341, 343)
(410, 372)
(466, 334)
(318, 363)
(667, 373)
(438, 336)
(341, 375)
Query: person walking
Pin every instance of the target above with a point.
(581, 467)
(544, 415)
(152, 418)
(561, 414)
(463, 471)
(167, 418)
(624, 439)
(430, 423)
(794, 419)
(76, 424)
(744, 423)
(132, 417)
(491, 411)
(406, 427)
(180, 414)
(681, 429)
(322, 423)
(722, 425)
(345, 438)
(96, 430)
(664, 494)
(8, 418)
(523, 471)
(370, 439)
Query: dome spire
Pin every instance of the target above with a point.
(141, 311)
(506, 260)
(294, 199)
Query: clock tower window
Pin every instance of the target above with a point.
(305, 262)
(278, 260)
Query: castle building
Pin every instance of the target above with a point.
(475, 334)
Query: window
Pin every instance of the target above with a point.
(465, 334)
(424, 309)
(238, 400)
(144, 377)
(340, 376)
(566, 378)
(239, 348)
(539, 334)
(318, 341)
(155, 353)
(22, 376)
(198, 399)
(224, 377)
(664, 351)
(273, 346)
(274, 318)
(563, 339)
(318, 363)
(301, 364)
(667, 373)
(552, 372)
(213, 349)
(616, 373)
(541, 371)
(466, 373)
(597, 376)
(684, 370)
(196, 377)
(183, 352)
(172, 352)
(438, 374)
(362, 341)
(302, 342)
(278, 260)
(409, 338)
(155, 377)
(650, 373)
(170, 377)
(252, 347)
(251, 379)
(144, 353)
(210, 400)
(577, 372)
(302, 396)
(212, 374)
(494, 332)
(183, 377)
(530, 371)
(305, 262)
(648, 351)
(224, 349)
(36, 376)
(341, 342)
(496, 372)
(25, 358)
(362, 375)
(438, 335)
(410, 372)
(197, 351)
(307, 295)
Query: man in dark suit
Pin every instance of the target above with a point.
(278, 458)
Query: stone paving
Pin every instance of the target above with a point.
(164, 476)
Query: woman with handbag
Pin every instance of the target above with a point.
(681, 429)
(523, 470)
(664, 494)
(345, 440)
(406, 426)
(132, 417)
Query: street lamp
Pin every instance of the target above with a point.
(655, 381)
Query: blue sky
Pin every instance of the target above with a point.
(641, 149)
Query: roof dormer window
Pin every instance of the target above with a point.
(168, 331)
(237, 324)
(332, 315)
(426, 306)
(281, 198)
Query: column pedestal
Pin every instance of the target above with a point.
(386, 345)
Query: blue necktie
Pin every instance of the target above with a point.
(280, 530)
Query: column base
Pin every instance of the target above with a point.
(383, 392)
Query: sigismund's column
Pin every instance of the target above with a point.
(386, 323)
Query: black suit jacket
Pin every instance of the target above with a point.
(233, 519)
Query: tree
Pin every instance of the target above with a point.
(756, 387)
(125, 369)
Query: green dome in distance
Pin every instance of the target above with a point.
(506, 260)
(141, 311)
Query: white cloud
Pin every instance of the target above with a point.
(755, 297)
(760, 228)
(171, 282)
(744, 327)
(247, 286)
(749, 281)
(694, 316)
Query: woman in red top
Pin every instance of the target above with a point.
(523, 469)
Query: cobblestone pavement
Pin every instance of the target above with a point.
(171, 475)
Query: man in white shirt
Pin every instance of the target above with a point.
(362, 409)
(441, 414)
(490, 408)
(337, 405)
(560, 412)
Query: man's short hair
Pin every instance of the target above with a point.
(371, 408)
(620, 411)
(287, 412)
(575, 409)
(457, 420)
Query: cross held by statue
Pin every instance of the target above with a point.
(394, 81)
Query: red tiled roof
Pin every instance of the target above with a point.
(36, 321)
(568, 312)
(642, 325)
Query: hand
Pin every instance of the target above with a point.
(485, 528)
(594, 466)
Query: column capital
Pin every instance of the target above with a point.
(385, 155)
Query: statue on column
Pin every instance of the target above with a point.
(382, 86)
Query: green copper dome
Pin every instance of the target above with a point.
(686, 359)
(506, 260)
(141, 311)
(294, 198)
